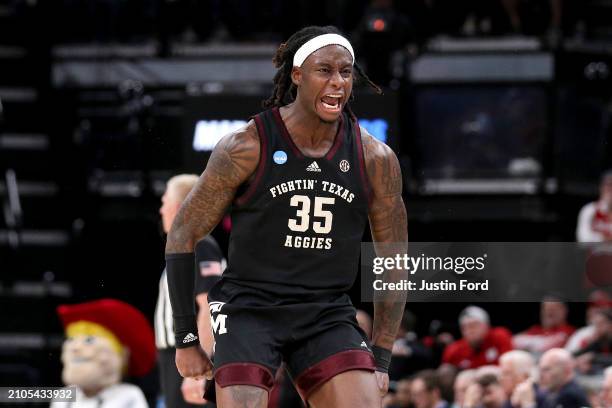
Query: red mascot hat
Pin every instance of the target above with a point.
(126, 322)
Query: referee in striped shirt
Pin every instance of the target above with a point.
(179, 392)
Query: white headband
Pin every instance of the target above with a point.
(319, 42)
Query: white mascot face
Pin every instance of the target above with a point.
(91, 362)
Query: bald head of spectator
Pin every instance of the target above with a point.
(425, 389)
(463, 380)
(556, 369)
(553, 313)
(474, 323)
(516, 366)
(365, 322)
(606, 389)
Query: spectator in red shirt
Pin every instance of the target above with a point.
(481, 344)
(552, 332)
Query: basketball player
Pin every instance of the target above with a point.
(302, 179)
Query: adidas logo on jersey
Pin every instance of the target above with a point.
(313, 167)
(189, 337)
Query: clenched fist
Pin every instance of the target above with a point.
(193, 362)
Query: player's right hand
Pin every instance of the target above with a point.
(193, 362)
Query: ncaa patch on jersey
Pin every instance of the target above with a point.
(279, 157)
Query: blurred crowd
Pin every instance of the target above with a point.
(551, 364)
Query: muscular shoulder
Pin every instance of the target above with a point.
(382, 166)
(373, 148)
(236, 156)
(242, 143)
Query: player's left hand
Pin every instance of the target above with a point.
(382, 379)
(193, 390)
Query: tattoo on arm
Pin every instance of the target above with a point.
(389, 227)
(232, 162)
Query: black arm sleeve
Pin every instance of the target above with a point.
(182, 298)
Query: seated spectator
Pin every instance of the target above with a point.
(595, 218)
(598, 300)
(481, 344)
(485, 392)
(605, 395)
(553, 330)
(557, 381)
(517, 366)
(409, 355)
(463, 380)
(593, 358)
(425, 390)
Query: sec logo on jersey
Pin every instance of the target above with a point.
(345, 166)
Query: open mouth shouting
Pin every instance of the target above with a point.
(332, 102)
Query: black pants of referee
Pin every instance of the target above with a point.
(171, 381)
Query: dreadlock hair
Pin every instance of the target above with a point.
(285, 91)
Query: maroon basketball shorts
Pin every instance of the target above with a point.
(317, 339)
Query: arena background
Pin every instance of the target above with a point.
(502, 133)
